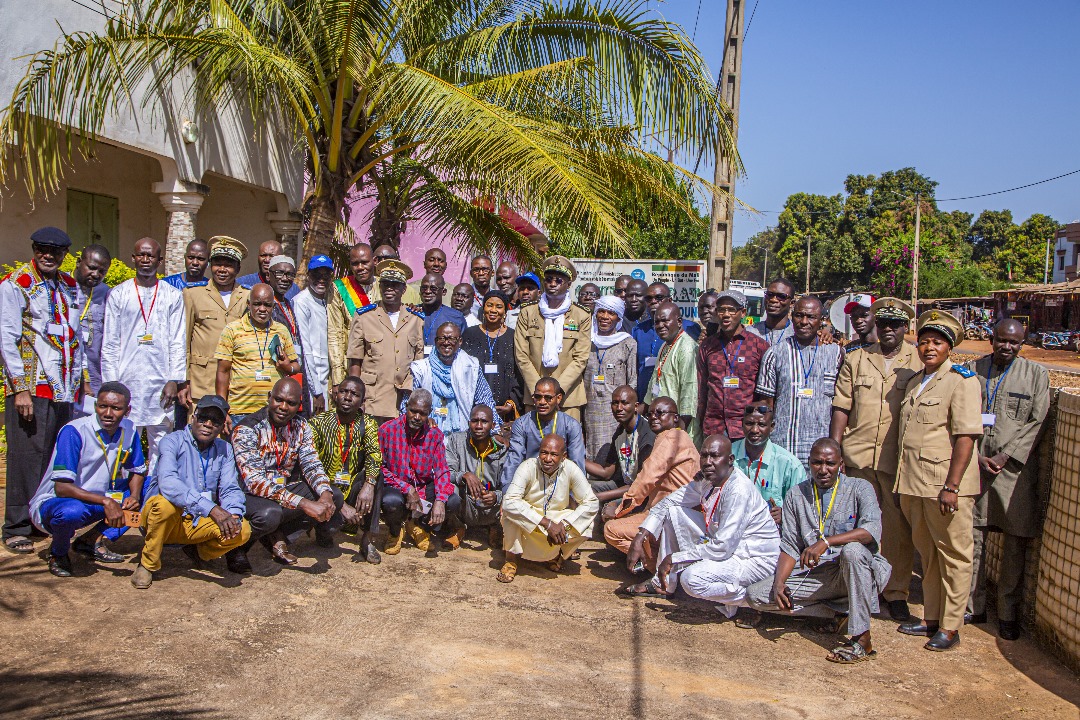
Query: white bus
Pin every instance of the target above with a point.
(755, 299)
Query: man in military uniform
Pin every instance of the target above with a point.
(384, 338)
(209, 309)
(938, 477)
(1015, 400)
(866, 422)
(553, 337)
(344, 298)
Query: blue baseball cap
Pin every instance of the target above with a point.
(320, 261)
(531, 277)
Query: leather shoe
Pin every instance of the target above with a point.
(942, 642)
(1009, 630)
(899, 611)
(98, 551)
(60, 566)
(371, 554)
(192, 551)
(918, 627)
(974, 618)
(237, 562)
(142, 578)
(280, 552)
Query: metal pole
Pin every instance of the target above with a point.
(765, 270)
(807, 263)
(1046, 267)
(915, 260)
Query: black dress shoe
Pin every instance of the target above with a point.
(192, 551)
(918, 627)
(899, 611)
(942, 642)
(97, 551)
(974, 618)
(1009, 630)
(60, 566)
(237, 562)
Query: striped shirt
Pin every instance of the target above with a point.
(253, 370)
(802, 382)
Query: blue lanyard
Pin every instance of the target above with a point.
(991, 396)
(813, 358)
(730, 367)
(491, 346)
(600, 361)
(262, 348)
(547, 497)
(783, 332)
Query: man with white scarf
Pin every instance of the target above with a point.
(553, 337)
(454, 380)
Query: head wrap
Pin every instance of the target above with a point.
(278, 259)
(617, 306)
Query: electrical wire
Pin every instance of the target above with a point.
(696, 18)
(752, 13)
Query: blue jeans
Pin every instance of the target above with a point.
(63, 517)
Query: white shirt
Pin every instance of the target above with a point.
(512, 317)
(394, 318)
(144, 364)
(471, 320)
(225, 297)
(311, 317)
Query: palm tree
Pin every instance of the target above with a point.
(442, 110)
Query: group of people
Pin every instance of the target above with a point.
(760, 466)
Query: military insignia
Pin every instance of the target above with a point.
(366, 308)
(571, 325)
(963, 371)
(890, 303)
(934, 315)
(418, 313)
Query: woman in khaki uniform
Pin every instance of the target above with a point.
(938, 477)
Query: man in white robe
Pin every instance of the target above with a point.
(144, 344)
(310, 308)
(717, 554)
(538, 522)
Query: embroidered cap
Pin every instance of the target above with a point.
(942, 322)
(227, 247)
(320, 261)
(393, 271)
(282, 259)
(561, 265)
(890, 308)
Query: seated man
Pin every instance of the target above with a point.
(832, 527)
(287, 488)
(628, 449)
(672, 464)
(716, 554)
(453, 378)
(417, 479)
(347, 441)
(475, 459)
(84, 484)
(194, 498)
(773, 469)
(537, 519)
(545, 418)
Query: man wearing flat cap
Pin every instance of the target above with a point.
(282, 272)
(866, 423)
(209, 309)
(384, 338)
(553, 337)
(43, 372)
(938, 477)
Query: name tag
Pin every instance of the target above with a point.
(656, 390)
(207, 495)
(428, 350)
(442, 411)
(279, 481)
(598, 378)
(731, 381)
(262, 376)
(989, 419)
(650, 361)
(55, 329)
(342, 478)
(117, 497)
(741, 359)
(147, 339)
(491, 369)
(805, 393)
(86, 335)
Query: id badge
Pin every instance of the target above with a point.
(989, 419)
(442, 411)
(656, 390)
(207, 495)
(731, 381)
(740, 359)
(342, 479)
(279, 481)
(598, 378)
(116, 497)
(428, 349)
(86, 335)
(805, 393)
(147, 339)
(650, 361)
(262, 376)
(491, 369)
(55, 329)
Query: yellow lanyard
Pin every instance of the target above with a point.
(480, 468)
(554, 424)
(119, 454)
(817, 506)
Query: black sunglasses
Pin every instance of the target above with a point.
(762, 409)
(776, 295)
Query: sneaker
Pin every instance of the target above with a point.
(142, 578)
(420, 537)
(60, 566)
(393, 541)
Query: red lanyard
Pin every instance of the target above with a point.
(346, 446)
(284, 452)
(146, 315)
(756, 472)
(289, 318)
(709, 516)
(669, 346)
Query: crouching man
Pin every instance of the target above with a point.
(194, 500)
(832, 527)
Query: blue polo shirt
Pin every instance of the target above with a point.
(777, 472)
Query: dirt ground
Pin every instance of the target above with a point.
(440, 638)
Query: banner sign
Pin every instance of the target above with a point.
(685, 278)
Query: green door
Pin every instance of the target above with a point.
(93, 219)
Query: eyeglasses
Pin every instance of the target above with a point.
(52, 250)
(209, 419)
(661, 413)
(761, 409)
(283, 274)
(658, 298)
(547, 398)
(727, 310)
(769, 294)
(589, 293)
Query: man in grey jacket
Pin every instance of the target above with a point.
(475, 459)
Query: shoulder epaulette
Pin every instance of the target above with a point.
(527, 304)
(418, 313)
(366, 308)
(963, 371)
(579, 305)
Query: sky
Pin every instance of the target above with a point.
(978, 95)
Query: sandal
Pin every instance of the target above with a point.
(555, 565)
(19, 544)
(748, 618)
(508, 572)
(642, 590)
(850, 653)
(832, 626)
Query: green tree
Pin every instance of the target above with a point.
(990, 232)
(748, 261)
(1024, 252)
(443, 110)
(806, 217)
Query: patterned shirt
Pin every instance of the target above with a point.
(721, 399)
(774, 473)
(270, 458)
(414, 461)
(253, 371)
(802, 382)
(355, 445)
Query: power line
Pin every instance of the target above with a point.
(696, 18)
(752, 13)
(92, 9)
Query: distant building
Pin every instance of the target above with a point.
(1066, 253)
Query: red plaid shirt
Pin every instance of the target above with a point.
(721, 408)
(414, 461)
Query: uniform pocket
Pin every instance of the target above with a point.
(370, 379)
(931, 410)
(933, 464)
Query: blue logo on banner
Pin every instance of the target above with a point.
(637, 274)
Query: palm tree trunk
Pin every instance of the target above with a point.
(320, 233)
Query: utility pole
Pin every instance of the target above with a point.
(807, 264)
(915, 263)
(719, 271)
(1046, 267)
(765, 270)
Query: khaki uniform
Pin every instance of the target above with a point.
(1019, 401)
(872, 395)
(207, 316)
(930, 420)
(338, 322)
(577, 344)
(385, 354)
